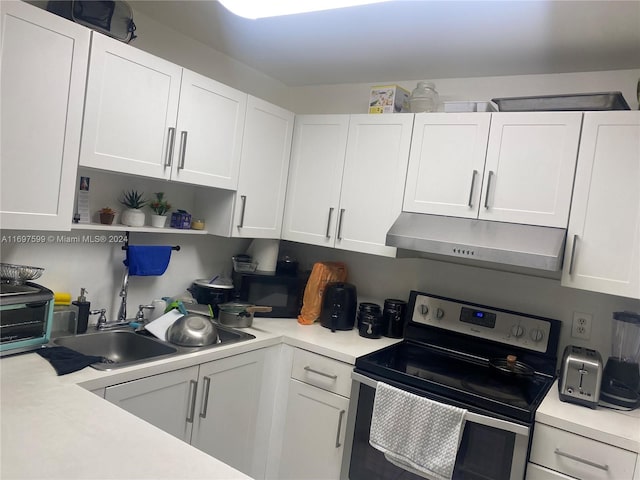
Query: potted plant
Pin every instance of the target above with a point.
(160, 207)
(107, 215)
(133, 216)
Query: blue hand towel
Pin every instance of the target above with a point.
(146, 260)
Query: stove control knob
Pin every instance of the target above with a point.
(536, 335)
(424, 310)
(439, 313)
(517, 331)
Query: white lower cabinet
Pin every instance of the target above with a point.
(219, 407)
(316, 418)
(225, 419)
(563, 454)
(165, 400)
(536, 472)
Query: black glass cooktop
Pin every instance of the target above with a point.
(470, 381)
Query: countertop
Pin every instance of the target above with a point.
(53, 427)
(618, 428)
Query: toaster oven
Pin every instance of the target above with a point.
(26, 313)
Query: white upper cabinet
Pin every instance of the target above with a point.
(373, 181)
(346, 180)
(43, 73)
(208, 139)
(130, 110)
(446, 163)
(264, 167)
(603, 241)
(147, 116)
(531, 160)
(315, 178)
(508, 167)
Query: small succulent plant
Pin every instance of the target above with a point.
(133, 199)
(160, 205)
(107, 211)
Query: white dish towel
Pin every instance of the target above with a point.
(415, 433)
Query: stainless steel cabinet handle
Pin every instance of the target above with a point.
(338, 444)
(183, 149)
(473, 181)
(205, 397)
(559, 452)
(340, 224)
(329, 223)
(168, 154)
(317, 372)
(573, 254)
(486, 198)
(243, 198)
(193, 388)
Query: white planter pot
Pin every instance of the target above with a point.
(158, 221)
(133, 217)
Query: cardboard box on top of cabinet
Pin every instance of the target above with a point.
(388, 99)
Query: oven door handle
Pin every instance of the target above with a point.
(469, 417)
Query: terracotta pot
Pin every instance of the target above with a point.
(106, 218)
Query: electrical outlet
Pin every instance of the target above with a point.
(581, 326)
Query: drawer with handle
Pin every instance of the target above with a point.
(580, 457)
(323, 372)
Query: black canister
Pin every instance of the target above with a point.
(393, 314)
(366, 307)
(371, 324)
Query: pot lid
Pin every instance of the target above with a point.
(223, 283)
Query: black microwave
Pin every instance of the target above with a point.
(283, 292)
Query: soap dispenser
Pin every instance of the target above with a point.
(83, 311)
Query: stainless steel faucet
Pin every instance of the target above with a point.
(103, 324)
(122, 311)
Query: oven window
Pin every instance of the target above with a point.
(485, 453)
(23, 322)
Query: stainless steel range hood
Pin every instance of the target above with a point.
(512, 244)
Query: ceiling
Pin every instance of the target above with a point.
(404, 40)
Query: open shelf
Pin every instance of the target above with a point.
(145, 229)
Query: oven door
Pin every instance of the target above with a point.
(490, 449)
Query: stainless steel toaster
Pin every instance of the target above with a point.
(580, 376)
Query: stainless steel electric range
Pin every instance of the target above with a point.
(497, 364)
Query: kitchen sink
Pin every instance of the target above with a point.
(124, 348)
(120, 348)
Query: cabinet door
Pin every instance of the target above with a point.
(603, 240)
(166, 401)
(446, 163)
(44, 67)
(209, 133)
(264, 167)
(531, 159)
(130, 110)
(314, 433)
(227, 409)
(373, 181)
(315, 177)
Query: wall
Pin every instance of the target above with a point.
(72, 261)
(377, 278)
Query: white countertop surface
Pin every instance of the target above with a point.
(621, 429)
(54, 428)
